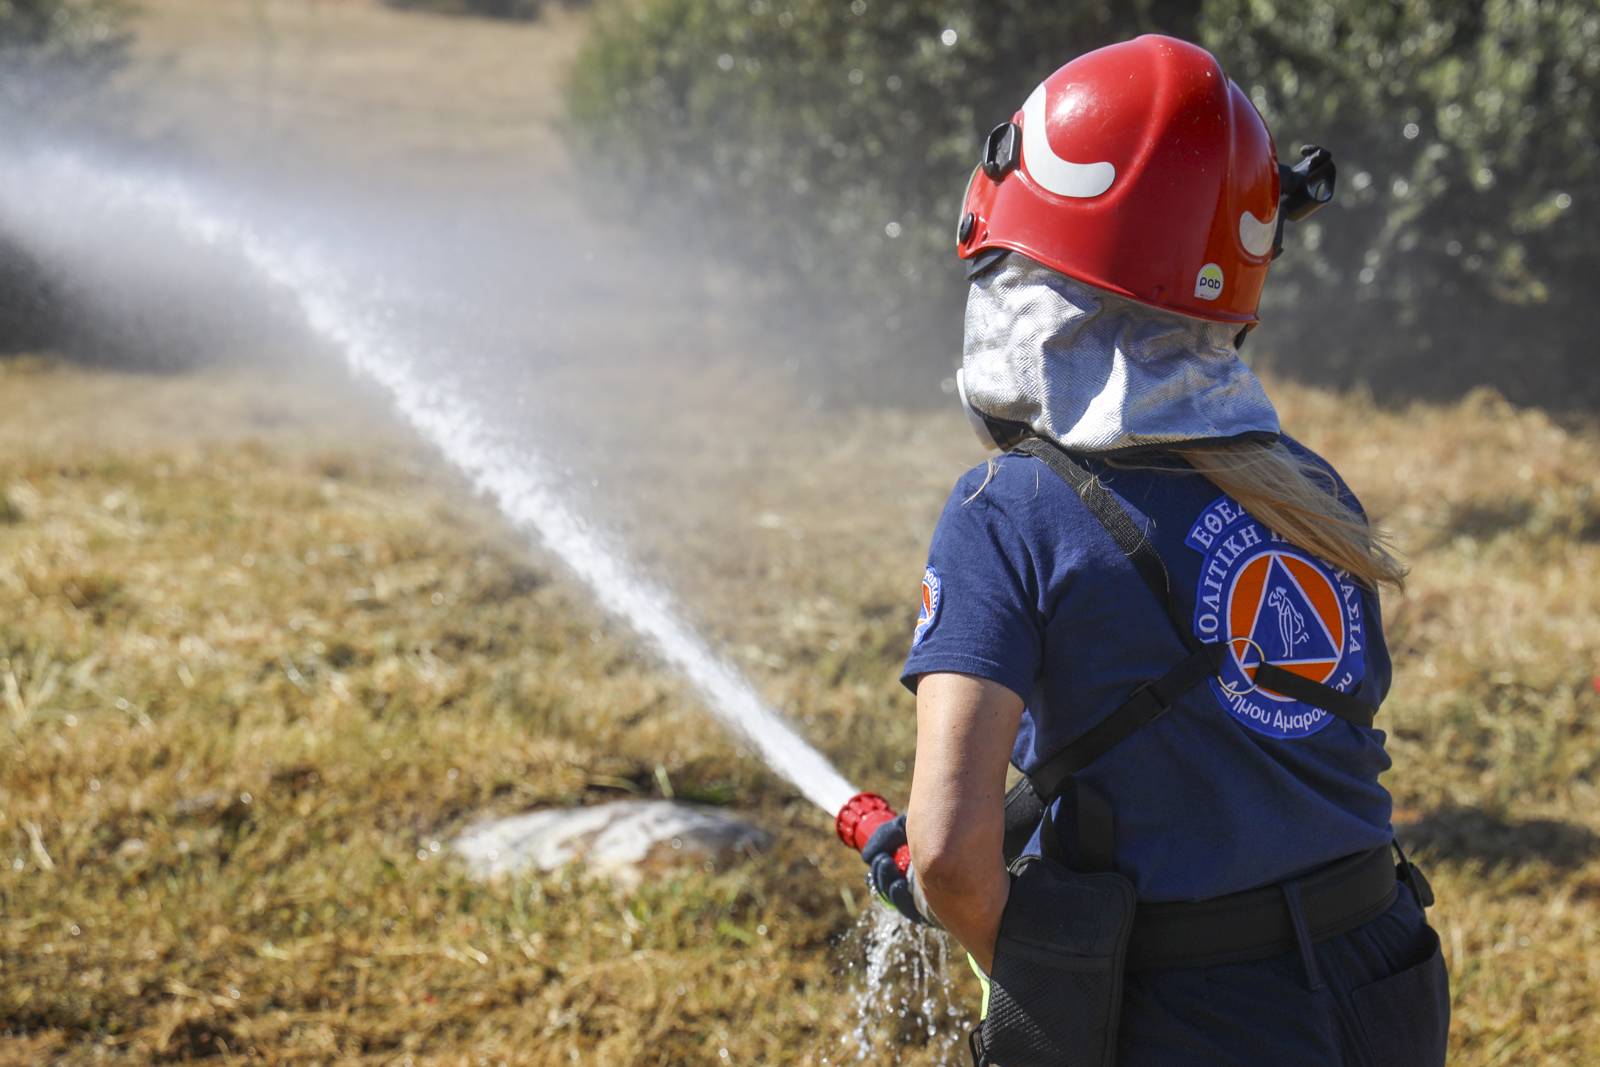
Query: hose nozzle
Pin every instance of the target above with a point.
(860, 817)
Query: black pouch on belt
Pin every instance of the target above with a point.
(1055, 991)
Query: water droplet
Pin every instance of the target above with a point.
(1410, 131)
(891, 230)
(1563, 201)
(948, 37)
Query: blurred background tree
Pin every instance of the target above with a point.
(828, 142)
(54, 56)
(55, 52)
(1465, 239)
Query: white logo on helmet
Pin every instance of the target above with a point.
(1208, 283)
(1256, 235)
(1054, 174)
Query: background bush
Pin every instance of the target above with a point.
(53, 54)
(829, 142)
(1465, 240)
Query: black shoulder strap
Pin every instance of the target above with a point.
(1030, 799)
(1117, 522)
(1147, 561)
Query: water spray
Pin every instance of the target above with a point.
(59, 204)
(75, 213)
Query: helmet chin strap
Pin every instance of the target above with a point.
(995, 435)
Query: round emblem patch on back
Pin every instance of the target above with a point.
(929, 614)
(1267, 599)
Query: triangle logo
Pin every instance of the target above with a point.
(1288, 628)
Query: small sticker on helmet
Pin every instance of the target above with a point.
(1208, 283)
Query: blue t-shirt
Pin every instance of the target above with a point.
(1225, 792)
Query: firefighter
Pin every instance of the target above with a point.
(1160, 608)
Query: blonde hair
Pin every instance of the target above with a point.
(1299, 500)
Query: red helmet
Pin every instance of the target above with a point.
(1141, 169)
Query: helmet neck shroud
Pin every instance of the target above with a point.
(1094, 372)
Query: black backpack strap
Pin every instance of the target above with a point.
(1028, 801)
(1024, 809)
(1144, 706)
(1117, 522)
(1147, 561)
(1350, 708)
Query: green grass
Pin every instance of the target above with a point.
(256, 662)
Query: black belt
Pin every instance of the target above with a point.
(1255, 924)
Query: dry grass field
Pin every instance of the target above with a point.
(261, 655)
(257, 664)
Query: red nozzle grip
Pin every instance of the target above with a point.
(861, 815)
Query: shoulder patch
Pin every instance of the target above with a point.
(929, 613)
(1268, 599)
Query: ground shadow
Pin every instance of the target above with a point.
(1464, 833)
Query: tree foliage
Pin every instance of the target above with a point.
(829, 141)
(1466, 236)
(826, 140)
(52, 51)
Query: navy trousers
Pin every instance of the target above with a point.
(1377, 996)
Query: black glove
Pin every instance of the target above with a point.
(886, 879)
